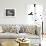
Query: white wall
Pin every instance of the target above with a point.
(20, 10)
(18, 5)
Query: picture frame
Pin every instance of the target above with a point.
(10, 12)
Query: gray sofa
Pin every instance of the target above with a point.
(19, 30)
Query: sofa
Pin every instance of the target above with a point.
(19, 31)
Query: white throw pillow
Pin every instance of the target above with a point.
(1, 30)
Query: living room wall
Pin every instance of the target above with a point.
(20, 6)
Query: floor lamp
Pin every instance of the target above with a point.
(42, 30)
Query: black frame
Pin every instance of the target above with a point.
(10, 12)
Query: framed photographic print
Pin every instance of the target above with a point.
(10, 12)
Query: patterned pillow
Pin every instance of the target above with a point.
(21, 29)
(5, 29)
(9, 28)
(37, 30)
(30, 29)
(13, 29)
